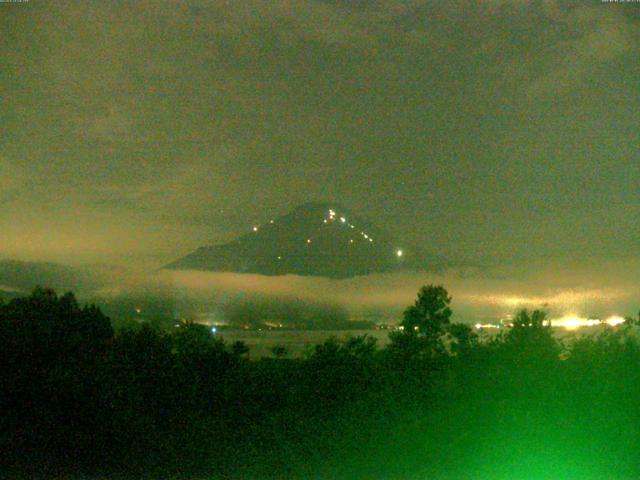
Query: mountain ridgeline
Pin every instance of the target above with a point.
(315, 239)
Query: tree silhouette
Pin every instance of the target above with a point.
(179, 403)
(279, 351)
(424, 325)
(532, 335)
(462, 337)
(195, 341)
(239, 349)
(430, 313)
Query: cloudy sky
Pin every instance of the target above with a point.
(132, 132)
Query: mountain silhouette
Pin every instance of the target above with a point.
(315, 239)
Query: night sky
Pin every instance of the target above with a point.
(487, 131)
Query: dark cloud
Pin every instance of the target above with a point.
(488, 128)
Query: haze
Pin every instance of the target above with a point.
(502, 134)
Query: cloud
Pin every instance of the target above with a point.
(12, 180)
(152, 128)
(601, 288)
(600, 36)
(113, 125)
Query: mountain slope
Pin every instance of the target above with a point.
(317, 239)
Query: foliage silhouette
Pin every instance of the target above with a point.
(79, 400)
(279, 351)
(430, 313)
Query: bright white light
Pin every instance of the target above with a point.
(366, 236)
(481, 326)
(351, 240)
(279, 257)
(614, 320)
(371, 239)
(325, 220)
(342, 219)
(138, 310)
(399, 253)
(255, 229)
(308, 240)
(572, 322)
(214, 329)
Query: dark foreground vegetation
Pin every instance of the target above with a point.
(79, 401)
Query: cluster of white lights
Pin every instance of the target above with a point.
(568, 322)
(571, 322)
(255, 228)
(332, 217)
(366, 237)
(480, 326)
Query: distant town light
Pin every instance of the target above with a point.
(615, 320)
(572, 322)
(399, 253)
(342, 219)
(214, 329)
(255, 229)
(308, 240)
(481, 326)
